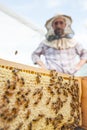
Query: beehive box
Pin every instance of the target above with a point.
(35, 99)
(84, 102)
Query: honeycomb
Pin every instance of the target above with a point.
(32, 100)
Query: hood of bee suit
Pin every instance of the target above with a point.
(67, 31)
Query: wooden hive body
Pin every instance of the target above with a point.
(84, 102)
(35, 99)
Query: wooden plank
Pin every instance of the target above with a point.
(84, 102)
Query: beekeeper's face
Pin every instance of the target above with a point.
(59, 25)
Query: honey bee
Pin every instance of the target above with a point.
(6, 99)
(15, 77)
(21, 81)
(8, 93)
(55, 124)
(40, 96)
(30, 126)
(72, 113)
(69, 80)
(60, 78)
(13, 85)
(66, 84)
(38, 78)
(1, 115)
(22, 96)
(8, 81)
(41, 115)
(59, 91)
(19, 93)
(5, 118)
(8, 84)
(9, 119)
(2, 105)
(15, 70)
(65, 93)
(19, 126)
(26, 93)
(36, 102)
(76, 83)
(48, 101)
(37, 91)
(15, 110)
(47, 121)
(26, 103)
(54, 106)
(51, 91)
(52, 80)
(53, 73)
(70, 119)
(37, 119)
(16, 52)
(28, 114)
(76, 121)
(78, 116)
(59, 117)
(69, 126)
(18, 101)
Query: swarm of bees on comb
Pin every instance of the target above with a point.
(31, 100)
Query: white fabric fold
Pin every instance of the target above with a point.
(63, 43)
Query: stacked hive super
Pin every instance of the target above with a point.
(33, 99)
